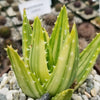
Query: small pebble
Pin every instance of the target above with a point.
(85, 97)
(93, 92)
(90, 77)
(82, 88)
(44, 97)
(13, 95)
(76, 97)
(93, 72)
(97, 78)
(94, 98)
(96, 86)
(3, 97)
(88, 89)
(4, 75)
(30, 99)
(16, 86)
(4, 91)
(4, 82)
(22, 96)
(87, 94)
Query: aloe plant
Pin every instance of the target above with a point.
(52, 65)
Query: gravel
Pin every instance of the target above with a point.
(89, 90)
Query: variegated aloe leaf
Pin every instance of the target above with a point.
(87, 60)
(59, 33)
(46, 38)
(26, 79)
(38, 63)
(64, 95)
(26, 38)
(66, 67)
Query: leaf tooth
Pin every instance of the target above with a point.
(34, 73)
(94, 55)
(71, 53)
(73, 41)
(43, 31)
(97, 33)
(46, 61)
(45, 42)
(21, 58)
(55, 23)
(29, 73)
(16, 50)
(30, 34)
(28, 49)
(25, 23)
(98, 49)
(46, 80)
(46, 52)
(10, 46)
(41, 20)
(38, 79)
(50, 74)
(43, 85)
(5, 49)
(90, 62)
(33, 81)
(26, 66)
(69, 68)
(54, 66)
(24, 32)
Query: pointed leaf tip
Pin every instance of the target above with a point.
(64, 7)
(37, 18)
(64, 95)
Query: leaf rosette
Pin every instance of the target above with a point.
(52, 64)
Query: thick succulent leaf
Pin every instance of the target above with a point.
(59, 33)
(66, 67)
(38, 63)
(64, 95)
(46, 38)
(26, 38)
(87, 60)
(26, 79)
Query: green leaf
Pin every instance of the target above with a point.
(87, 60)
(46, 38)
(60, 31)
(26, 79)
(66, 67)
(38, 63)
(65, 95)
(26, 38)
